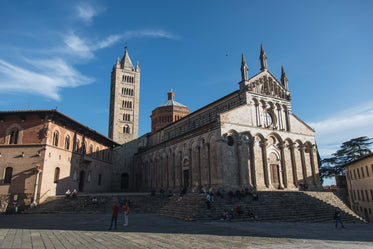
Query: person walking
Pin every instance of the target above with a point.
(126, 211)
(338, 218)
(114, 217)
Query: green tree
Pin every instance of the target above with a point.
(349, 151)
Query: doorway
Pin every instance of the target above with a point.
(81, 181)
(275, 175)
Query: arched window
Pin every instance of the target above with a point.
(89, 178)
(77, 145)
(97, 151)
(75, 175)
(55, 138)
(67, 142)
(13, 136)
(8, 175)
(99, 180)
(91, 149)
(56, 175)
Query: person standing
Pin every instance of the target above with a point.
(338, 218)
(114, 217)
(126, 211)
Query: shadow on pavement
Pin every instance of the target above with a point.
(151, 223)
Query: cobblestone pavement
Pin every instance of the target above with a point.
(152, 231)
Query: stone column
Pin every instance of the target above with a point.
(239, 180)
(283, 177)
(181, 169)
(209, 162)
(168, 177)
(199, 166)
(293, 164)
(174, 169)
(257, 113)
(280, 123)
(263, 145)
(304, 170)
(312, 160)
(191, 166)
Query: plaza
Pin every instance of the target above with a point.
(152, 231)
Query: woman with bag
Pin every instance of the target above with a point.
(126, 211)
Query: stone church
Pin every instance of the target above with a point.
(248, 138)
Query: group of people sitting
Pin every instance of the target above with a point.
(69, 194)
(243, 193)
(234, 213)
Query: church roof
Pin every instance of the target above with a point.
(172, 103)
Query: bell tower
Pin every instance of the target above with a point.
(124, 100)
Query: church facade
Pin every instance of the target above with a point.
(248, 138)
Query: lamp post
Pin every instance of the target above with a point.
(38, 169)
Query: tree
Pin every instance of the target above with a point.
(349, 151)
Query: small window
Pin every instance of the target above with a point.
(362, 172)
(13, 137)
(8, 175)
(55, 138)
(91, 149)
(230, 140)
(56, 175)
(358, 172)
(99, 180)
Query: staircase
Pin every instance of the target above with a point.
(139, 203)
(271, 206)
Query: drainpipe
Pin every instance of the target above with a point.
(34, 203)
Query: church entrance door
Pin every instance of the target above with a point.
(81, 181)
(275, 175)
(186, 178)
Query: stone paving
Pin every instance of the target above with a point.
(152, 231)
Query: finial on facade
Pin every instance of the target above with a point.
(263, 59)
(284, 79)
(244, 69)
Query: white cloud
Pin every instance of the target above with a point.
(84, 48)
(345, 125)
(77, 46)
(47, 79)
(86, 12)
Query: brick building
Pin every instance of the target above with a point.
(44, 153)
(168, 112)
(359, 176)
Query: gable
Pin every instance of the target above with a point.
(266, 84)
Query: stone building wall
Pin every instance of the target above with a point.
(359, 176)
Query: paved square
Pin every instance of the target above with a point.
(152, 231)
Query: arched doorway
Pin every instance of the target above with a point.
(186, 178)
(81, 181)
(124, 181)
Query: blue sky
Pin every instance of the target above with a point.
(60, 54)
